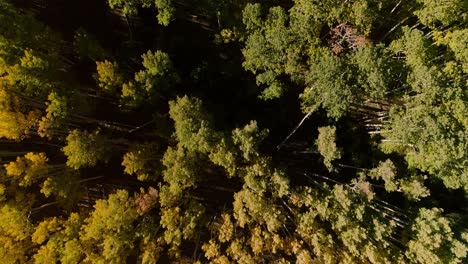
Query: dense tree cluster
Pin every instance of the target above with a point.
(177, 144)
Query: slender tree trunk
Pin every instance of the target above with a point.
(394, 28)
(37, 209)
(294, 130)
(142, 126)
(91, 179)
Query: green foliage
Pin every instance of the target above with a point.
(457, 41)
(326, 145)
(20, 31)
(224, 156)
(413, 187)
(267, 47)
(158, 66)
(182, 168)
(376, 71)
(192, 126)
(30, 73)
(435, 12)
(165, 8)
(154, 81)
(433, 141)
(434, 241)
(86, 46)
(387, 172)
(252, 16)
(330, 87)
(181, 224)
(128, 7)
(108, 233)
(250, 207)
(31, 58)
(279, 44)
(362, 13)
(166, 11)
(344, 211)
(335, 83)
(390, 74)
(419, 55)
(86, 149)
(142, 160)
(430, 129)
(248, 139)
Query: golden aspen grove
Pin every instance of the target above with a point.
(222, 131)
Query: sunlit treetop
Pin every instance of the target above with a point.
(108, 76)
(326, 144)
(108, 233)
(165, 8)
(28, 169)
(85, 149)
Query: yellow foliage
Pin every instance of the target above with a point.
(28, 169)
(16, 125)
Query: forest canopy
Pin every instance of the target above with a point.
(297, 131)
